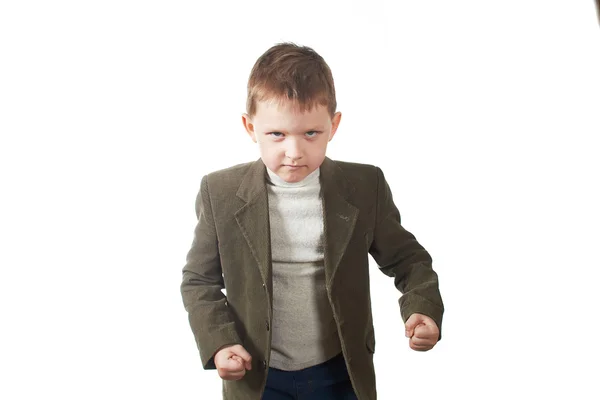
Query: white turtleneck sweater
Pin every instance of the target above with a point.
(304, 330)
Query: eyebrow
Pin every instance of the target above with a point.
(283, 131)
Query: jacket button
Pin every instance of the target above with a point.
(264, 286)
(267, 324)
(264, 364)
(226, 303)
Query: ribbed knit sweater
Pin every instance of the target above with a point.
(304, 330)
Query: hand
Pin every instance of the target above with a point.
(232, 362)
(422, 331)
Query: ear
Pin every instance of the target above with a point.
(335, 122)
(247, 121)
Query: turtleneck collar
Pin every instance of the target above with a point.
(310, 179)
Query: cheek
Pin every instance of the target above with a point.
(321, 148)
(271, 150)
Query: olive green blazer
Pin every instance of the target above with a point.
(231, 250)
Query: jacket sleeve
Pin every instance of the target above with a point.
(209, 317)
(399, 255)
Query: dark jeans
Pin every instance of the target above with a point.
(326, 381)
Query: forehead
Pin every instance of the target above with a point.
(272, 115)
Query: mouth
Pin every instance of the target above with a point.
(294, 166)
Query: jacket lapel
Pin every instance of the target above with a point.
(253, 217)
(339, 216)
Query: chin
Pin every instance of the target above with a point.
(291, 177)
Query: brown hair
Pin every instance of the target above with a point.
(288, 71)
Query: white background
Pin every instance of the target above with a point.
(483, 115)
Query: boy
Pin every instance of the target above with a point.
(288, 237)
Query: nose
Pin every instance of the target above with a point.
(293, 150)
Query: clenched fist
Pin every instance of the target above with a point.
(422, 331)
(232, 361)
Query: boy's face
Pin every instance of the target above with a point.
(291, 144)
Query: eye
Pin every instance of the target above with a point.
(313, 132)
(276, 134)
